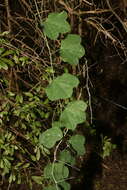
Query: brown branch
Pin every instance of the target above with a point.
(116, 15)
(8, 15)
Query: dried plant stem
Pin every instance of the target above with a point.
(8, 15)
(116, 15)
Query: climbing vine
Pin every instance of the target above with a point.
(61, 88)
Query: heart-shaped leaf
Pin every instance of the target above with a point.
(51, 187)
(58, 170)
(71, 50)
(77, 143)
(66, 157)
(65, 185)
(50, 137)
(73, 114)
(55, 24)
(57, 124)
(62, 87)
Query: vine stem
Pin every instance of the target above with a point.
(119, 19)
(54, 160)
(88, 91)
(50, 55)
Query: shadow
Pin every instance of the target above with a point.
(91, 169)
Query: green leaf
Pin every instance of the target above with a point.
(37, 179)
(4, 33)
(1, 50)
(26, 165)
(29, 94)
(23, 59)
(71, 50)
(73, 114)
(38, 154)
(66, 157)
(8, 52)
(65, 185)
(19, 98)
(56, 124)
(51, 187)
(33, 158)
(62, 87)
(3, 65)
(57, 170)
(46, 151)
(107, 147)
(77, 143)
(55, 24)
(12, 178)
(7, 61)
(11, 94)
(50, 137)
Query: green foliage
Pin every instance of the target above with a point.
(71, 50)
(66, 157)
(55, 24)
(50, 137)
(1, 50)
(107, 146)
(7, 149)
(51, 187)
(73, 114)
(57, 124)
(38, 179)
(8, 58)
(62, 87)
(21, 114)
(57, 171)
(5, 62)
(77, 142)
(65, 185)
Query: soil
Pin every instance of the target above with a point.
(114, 175)
(111, 174)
